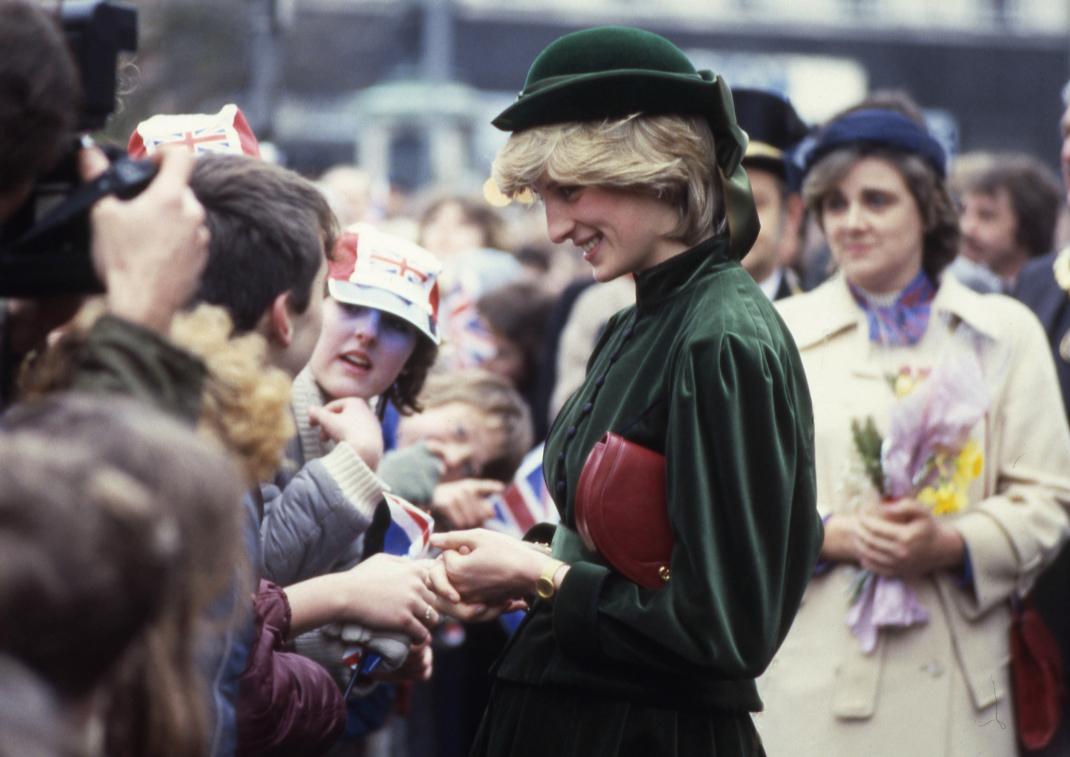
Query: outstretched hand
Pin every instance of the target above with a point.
(482, 567)
(383, 593)
(464, 503)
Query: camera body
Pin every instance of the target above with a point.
(44, 246)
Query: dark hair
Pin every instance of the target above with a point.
(89, 559)
(1034, 194)
(270, 229)
(40, 93)
(940, 221)
(518, 312)
(405, 390)
(119, 528)
(32, 721)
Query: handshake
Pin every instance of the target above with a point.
(481, 574)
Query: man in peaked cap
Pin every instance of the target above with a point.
(774, 129)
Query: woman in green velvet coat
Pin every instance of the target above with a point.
(635, 157)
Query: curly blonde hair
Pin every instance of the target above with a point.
(244, 402)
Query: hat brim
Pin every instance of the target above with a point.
(613, 94)
(379, 299)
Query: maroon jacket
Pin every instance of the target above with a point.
(287, 704)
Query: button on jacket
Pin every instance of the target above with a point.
(940, 688)
(701, 370)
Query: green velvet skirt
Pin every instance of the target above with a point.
(540, 721)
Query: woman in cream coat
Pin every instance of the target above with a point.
(941, 687)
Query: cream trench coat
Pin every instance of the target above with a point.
(941, 688)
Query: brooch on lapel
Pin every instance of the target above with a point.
(1061, 268)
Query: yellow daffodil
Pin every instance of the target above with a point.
(969, 464)
(944, 499)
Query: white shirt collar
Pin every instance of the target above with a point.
(771, 283)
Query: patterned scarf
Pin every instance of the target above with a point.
(903, 321)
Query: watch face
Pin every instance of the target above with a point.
(544, 584)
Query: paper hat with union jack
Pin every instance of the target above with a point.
(201, 133)
(379, 270)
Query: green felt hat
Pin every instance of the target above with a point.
(613, 71)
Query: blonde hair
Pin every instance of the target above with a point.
(670, 157)
(245, 401)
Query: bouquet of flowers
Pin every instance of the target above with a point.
(928, 455)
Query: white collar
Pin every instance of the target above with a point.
(771, 283)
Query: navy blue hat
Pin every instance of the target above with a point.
(877, 127)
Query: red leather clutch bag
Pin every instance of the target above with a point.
(621, 512)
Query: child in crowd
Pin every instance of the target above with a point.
(378, 340)
(463, 445)
(452, 456)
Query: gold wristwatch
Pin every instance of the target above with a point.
(544, 584)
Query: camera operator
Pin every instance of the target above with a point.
(147, 251)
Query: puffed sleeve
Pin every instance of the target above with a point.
(741, 501)
(1013, 534)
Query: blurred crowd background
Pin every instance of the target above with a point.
(405, 89)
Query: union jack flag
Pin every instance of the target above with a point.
(409, 532)
(470, 340)
(198, 141)
(526, 501)
(200, 133)
(407, 535)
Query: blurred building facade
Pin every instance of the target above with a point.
(406, 88)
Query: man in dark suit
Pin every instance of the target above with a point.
(1044, 285)
(774, 129)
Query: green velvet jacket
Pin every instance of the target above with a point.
(702, 370)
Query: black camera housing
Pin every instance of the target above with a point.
(44, 247)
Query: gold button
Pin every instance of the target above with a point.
(663, 573)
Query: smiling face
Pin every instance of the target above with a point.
(619, 231)
(360, 351)
(873, 226)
